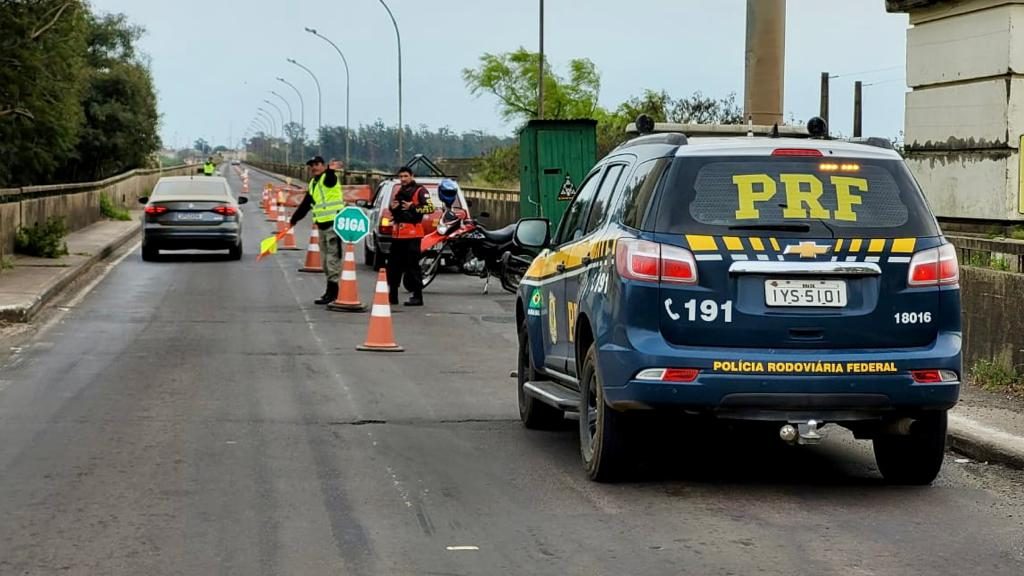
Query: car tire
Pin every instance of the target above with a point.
(235, 252)
(604, 445)
(914, 459)
(369, 256)
(535, 414)
(150, 253)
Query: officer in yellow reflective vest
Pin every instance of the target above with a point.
(209, 168)
(325, 199)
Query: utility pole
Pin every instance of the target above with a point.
(348, 97)
(824, 96)
(401, 126)
(858, 110)
(540, 74)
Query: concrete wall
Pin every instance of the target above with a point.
(993, 316)
(78, 204)
(502, 205)
(965, 113)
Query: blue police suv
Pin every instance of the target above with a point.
(791, 282)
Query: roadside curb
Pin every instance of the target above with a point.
(23, 314)
(984, 443)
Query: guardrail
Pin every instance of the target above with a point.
(502, 205)
(998, 253)
(78, 203)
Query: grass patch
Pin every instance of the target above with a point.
(43, 240)
(1017, 233)
(996, 377)
(6, 263)
(988, 260)
(108, 209)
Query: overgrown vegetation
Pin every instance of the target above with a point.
(109, 210)
(6, 263)
(997, 377)
(512, 78)
(77, 101)
(988, 260)
(43, 240)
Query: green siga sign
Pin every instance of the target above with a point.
(351, 224)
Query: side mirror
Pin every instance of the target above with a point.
(362, 203)
(533, 233)
(484, 215)
(144, 200)
(243, 200)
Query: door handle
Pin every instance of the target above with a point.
(560, 268)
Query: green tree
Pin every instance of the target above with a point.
(512, 77)
(42, 67)
(202, 146)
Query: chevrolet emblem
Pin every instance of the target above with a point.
(807, 249)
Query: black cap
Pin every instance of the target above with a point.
(315, 160)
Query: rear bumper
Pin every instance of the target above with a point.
(783, 384)
(220, 237)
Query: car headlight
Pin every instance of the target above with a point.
(443, 228)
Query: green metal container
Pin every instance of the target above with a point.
(554, 156)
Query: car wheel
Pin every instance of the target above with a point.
(235, 252)
(149, 253)
(535, 414)
(603, 441)
(368, 255)
(914, 459)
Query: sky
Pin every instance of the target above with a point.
(214, 61)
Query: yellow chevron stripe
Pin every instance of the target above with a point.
(775, 245)
(855, 245)
(877, 245)
(701, 243)
(757, 244)
(904, 245)
(839, 245)
(733, 243)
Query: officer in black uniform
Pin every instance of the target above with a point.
(408, 206)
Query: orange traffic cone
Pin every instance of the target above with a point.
(282, 220)
(289, 238)
(348, 289)
(272, 214)
(313, 263)
(381, 337)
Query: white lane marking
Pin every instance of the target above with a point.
(462, 548)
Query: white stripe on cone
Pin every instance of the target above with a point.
(314, 247)
(349, 256)
(348, 275)
(382, 287)
(381, 311)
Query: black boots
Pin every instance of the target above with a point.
(329, 296)
(393, 296)
(416, 300)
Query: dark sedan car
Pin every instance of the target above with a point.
(186, 213)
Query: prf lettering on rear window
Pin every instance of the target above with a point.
(803, 195)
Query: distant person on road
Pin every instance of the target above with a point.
(209, 168)
(325, 198)
(408, 206)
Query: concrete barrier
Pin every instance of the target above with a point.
(78, 204)
(993, 316)
(502, 205)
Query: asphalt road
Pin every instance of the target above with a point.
(199, 416)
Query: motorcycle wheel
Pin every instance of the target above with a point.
(511, 273)
(430, 265)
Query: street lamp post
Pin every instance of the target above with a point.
(401, 127)
(348, 95)
(273, 125)
(291, 120)
(287, 152)
(540, 75)
(302, 111)
(320, 105)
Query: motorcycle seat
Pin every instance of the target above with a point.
(501, 235)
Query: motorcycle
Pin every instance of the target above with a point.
(474, 249)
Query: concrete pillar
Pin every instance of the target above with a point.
(965, 113)
(766, 61)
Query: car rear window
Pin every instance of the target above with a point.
(824, 197)
(434, 198)
(190, 188)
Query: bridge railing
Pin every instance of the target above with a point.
(78, 203)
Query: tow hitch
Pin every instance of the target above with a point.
(800, 433)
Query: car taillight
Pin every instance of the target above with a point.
(668, 374)
(934, 376)
(226, 210)
(653, 262)
(934, 267)
(154, 210)
(800, 152)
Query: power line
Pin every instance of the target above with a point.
(867, 72)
